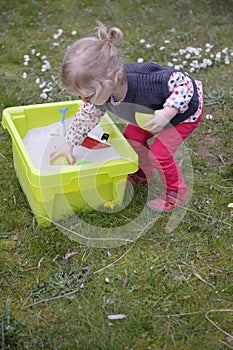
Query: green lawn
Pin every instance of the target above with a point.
(174, 287)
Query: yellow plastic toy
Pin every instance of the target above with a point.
(142, 119)
(62, 160)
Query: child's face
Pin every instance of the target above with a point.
(101, 98)
(103, 95)
(97, 99)
(88, 98)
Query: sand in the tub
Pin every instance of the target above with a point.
(41, 142)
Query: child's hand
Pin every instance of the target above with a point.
(157, 123)
(161, 118)
(63, 150)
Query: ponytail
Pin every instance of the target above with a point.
(109, 34)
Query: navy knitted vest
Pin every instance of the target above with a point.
(147, 92)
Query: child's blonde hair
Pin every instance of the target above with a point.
(91, 61)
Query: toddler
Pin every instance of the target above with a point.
(94, 71)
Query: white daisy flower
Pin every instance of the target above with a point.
(43, 95)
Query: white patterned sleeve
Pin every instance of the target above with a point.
(86, 118)
(181, 89)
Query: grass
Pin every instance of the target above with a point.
(175, 288)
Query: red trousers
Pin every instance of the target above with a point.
(160, 155)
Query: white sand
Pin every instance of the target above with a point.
(40, 142)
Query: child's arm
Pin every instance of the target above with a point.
(181, 88)
(87, 117)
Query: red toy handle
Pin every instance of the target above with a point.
(91, 143)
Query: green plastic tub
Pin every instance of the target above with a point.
(55, 194)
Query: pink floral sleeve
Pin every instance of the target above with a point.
(86, 118)
(181, 88)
